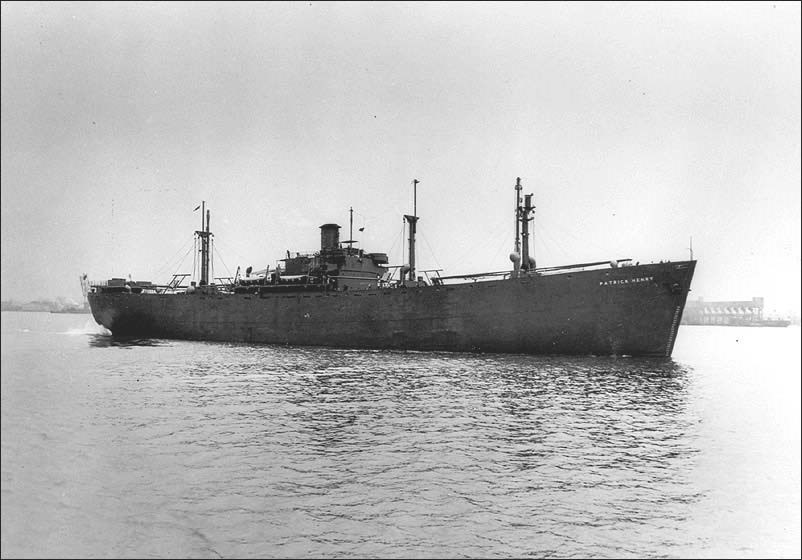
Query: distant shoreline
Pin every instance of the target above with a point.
(44, 307)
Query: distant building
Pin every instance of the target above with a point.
(732, 313)
(38, 305)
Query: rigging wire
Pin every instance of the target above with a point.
(228, 250)
(501, 244)
(194, 258)
(214, 247)
(403, 235)
(546, 242)
(181, 262)
(170, 262)
(434, 257)
(395, 242)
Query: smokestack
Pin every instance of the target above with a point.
(329, 237)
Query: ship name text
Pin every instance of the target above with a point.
(626, 281)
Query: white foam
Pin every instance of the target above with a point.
(90, 327)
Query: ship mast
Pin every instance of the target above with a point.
(518, 188)
(515, 256)
(520, 256)
(413, 220)
(526, 262)
(204, 234)
(350, 241)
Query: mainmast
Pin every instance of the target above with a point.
(413, 220)
(204, 234)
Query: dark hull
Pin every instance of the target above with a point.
(633, 310)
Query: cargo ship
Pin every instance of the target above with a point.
(343, 296)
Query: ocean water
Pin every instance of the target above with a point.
(209, 450)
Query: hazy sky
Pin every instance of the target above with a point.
(636, 126)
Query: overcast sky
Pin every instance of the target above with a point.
(636, 125)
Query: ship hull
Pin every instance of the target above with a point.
(634, 310)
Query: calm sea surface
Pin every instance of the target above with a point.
(208, 450)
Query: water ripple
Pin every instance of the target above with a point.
(170, 448)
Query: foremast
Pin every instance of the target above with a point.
(520, 258)
(204, 235)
